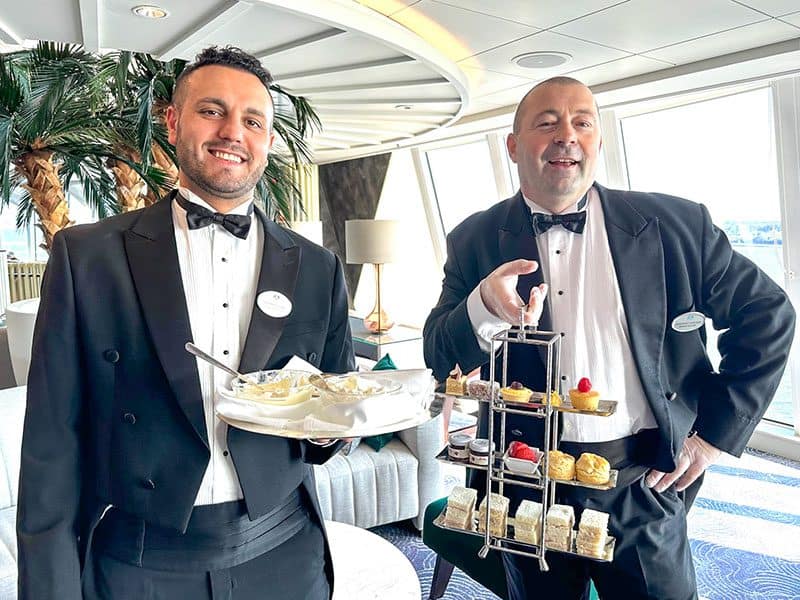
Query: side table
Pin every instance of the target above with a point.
(402, 343)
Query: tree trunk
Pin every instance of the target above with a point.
(130, 186)
(46, 192)
(163, 162)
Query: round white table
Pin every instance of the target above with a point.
(20, 319)
(367, 567)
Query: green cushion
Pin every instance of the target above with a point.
(376, 442)
(461, 550)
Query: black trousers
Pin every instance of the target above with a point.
(652, 558)
(293, 570)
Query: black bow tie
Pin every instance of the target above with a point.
(574, 222)
(198, 217)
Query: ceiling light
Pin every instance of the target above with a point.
(403, 106)
(542, 60)
(149, 11)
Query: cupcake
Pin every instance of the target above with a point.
(584, 397)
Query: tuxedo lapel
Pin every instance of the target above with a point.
(638, 256)
(153, 261)
(280, 264)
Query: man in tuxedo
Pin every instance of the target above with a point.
(631, 278)
(131, 486)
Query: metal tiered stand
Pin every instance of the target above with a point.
(540, 407)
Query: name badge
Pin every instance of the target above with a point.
(274, 304)
(688, 321)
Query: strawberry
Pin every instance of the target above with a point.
(516, 447)
(584, 385)
(526, 453)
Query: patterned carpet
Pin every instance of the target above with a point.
(744, 531)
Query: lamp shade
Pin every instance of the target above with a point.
(369, 241)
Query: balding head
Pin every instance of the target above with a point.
(560, 80)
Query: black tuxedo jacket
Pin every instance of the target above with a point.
(669, 259)
(114, 410)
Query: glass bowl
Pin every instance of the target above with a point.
(352, 387)
(279, 387)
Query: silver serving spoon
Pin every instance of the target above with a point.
(192, 349)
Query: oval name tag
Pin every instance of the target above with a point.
(688, 321)
(274, 304)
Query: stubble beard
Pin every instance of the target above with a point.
(219, 187)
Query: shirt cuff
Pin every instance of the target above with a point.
(484, 324)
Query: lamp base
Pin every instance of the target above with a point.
(378, 321)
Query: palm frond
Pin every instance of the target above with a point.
(6, 135)
(98, 185)
(144, 121)
(25, 210)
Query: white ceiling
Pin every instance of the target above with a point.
(389, 73)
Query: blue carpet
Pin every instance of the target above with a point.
(744, 530)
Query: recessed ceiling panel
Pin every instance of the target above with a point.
(774, 8)
(43, 20)
(641, 25)
(741, 38)
(122, 30)
(619, 69)
(405, 71)
(459, 33)
(584, 54)
(534, 13)
(794, 19)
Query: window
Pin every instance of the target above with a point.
(709, 152)
(463, 180)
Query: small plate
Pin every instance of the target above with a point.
(352, 387)
(520, 466)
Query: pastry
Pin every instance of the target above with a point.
(592, 533)
(456, 383)
(528, 522)
(560, 465)
(584, 397)
(555, 398)
(516, 392)
(560, 521)
(480, 389)
(498, 515)
(460, 508)
(593, 469)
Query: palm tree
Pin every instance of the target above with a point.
(53, 128)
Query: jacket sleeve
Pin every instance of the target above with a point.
(448, 334)
(758, 322)
(50, 471)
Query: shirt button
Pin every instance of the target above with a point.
(149, 484)
(111, 356)
(563, 378)
(224, 305)
(224, 453)
(225, 352)
(129, 418)
(560, 292)
(558, 251)
(224, 259)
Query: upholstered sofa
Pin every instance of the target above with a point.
(365, 488)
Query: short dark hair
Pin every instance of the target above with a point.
(557, 80)
(229, 56)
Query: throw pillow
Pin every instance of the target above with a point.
(376, 442)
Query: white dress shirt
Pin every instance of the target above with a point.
(220, 276)
(586, 305)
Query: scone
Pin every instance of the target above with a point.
(516, 392)
(560, 465)
(584, 397)
(592, 468)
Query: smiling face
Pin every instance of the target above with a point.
(556, 144)
(221, 126)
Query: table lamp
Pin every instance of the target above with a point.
(373, 242)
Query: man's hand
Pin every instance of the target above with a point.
(697, 455)
(499, 293)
